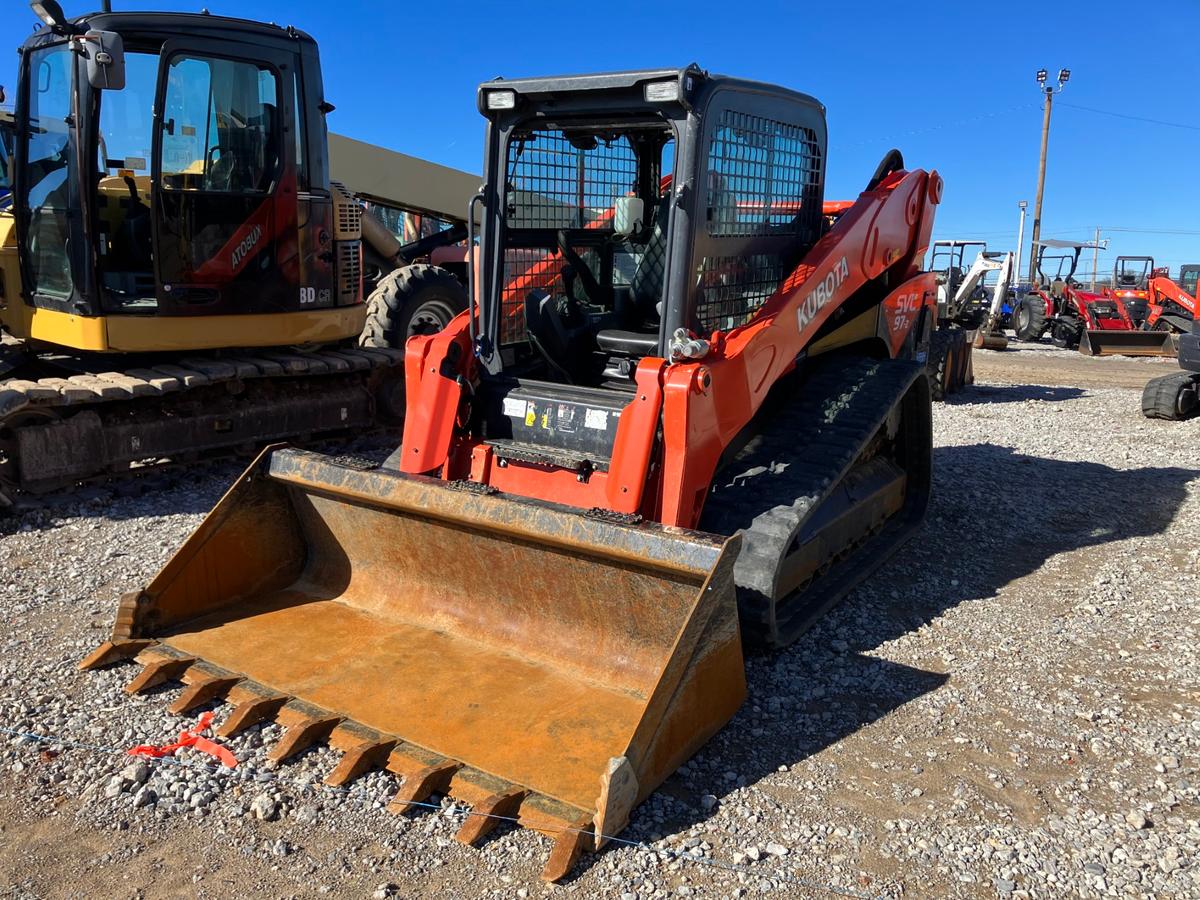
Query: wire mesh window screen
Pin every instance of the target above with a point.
(763, 177)
(556, 183)
(525, 271)
(537, 269)
(732, 288)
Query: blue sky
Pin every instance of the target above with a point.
(950, 84)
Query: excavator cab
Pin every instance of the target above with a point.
(1189, 277)
(171, 179)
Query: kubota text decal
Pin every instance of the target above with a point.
(819, 297)
(242, 251)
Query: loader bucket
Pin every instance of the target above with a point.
(534, 661)
(989, 340)
(1102, 342)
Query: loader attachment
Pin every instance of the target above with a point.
(983, 339)
(1104, 342)
(534, 661)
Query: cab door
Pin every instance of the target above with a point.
(226, 216)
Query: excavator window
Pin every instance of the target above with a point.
(6, 139)
(220, 128)
(1189, 275)
(575, 291)
(50, 162)
(122, 186)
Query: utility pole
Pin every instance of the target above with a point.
(1048, 91)
(1020, 238)
(1096, 259)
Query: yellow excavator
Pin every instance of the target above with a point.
(181, 273)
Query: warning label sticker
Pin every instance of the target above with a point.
(596, 418)
(514, 408)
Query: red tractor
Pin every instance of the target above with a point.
(1131, 285)
(1096, 324)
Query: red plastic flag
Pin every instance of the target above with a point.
(189, 737)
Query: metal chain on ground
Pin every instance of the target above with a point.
(661, 852)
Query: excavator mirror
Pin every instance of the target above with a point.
(105, 54)
(628, 215)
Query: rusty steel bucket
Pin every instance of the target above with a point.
(989, 340)
(1103, 342)
(532, 660)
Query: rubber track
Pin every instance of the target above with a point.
(809, 448)
(104, 391)
(1161, 396)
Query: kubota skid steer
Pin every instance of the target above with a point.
(682, 392)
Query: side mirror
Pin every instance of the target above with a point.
(105, 53)
(628, 215)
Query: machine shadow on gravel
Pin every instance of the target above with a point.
(161, 494)
(1013, 393)
(996, 516)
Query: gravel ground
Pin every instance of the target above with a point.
(1010, 708)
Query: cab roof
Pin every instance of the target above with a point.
(547, 87)
(172, 24)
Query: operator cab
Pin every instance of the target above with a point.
(185, 176)
(1132, 273)
(1056, 265)
(627, 217)
(585, 243)
(591, 200)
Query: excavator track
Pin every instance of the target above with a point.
(60, 431)
(826, 493)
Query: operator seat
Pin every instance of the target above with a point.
(646, 285)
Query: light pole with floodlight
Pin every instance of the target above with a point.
(1048, 91)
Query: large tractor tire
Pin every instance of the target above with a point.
(1172, 397)
(1029, 319)
(1066, 333)
(416, 299)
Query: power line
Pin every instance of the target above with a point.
(939, 127)
(1116, 115)
(1152, 230)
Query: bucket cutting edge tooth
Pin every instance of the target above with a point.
(420, 786)
(201, 691)
(488, 813)
(359, 760)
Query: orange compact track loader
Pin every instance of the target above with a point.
(687, 395)
(1171, 308)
